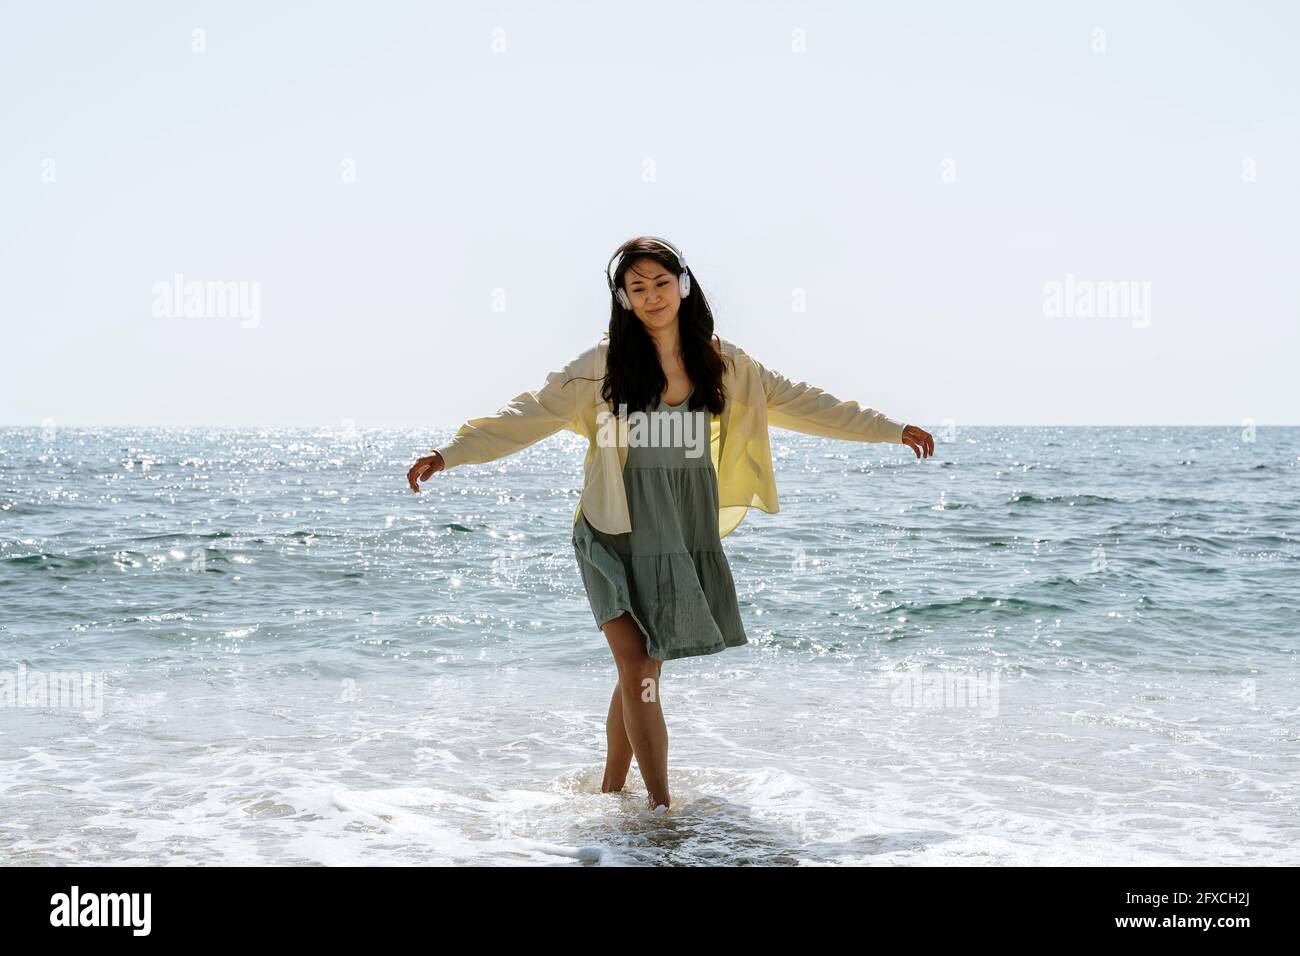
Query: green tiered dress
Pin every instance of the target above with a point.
(669, 572)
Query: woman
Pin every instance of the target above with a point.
(649, 525)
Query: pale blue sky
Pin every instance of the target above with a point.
(521, 171)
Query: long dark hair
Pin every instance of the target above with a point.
(633, 374)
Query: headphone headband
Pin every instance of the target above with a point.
(681, 258)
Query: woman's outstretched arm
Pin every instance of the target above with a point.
(801, 407)
(528, 418)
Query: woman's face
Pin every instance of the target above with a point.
(654, 293)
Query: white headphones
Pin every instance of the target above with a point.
(683, 277)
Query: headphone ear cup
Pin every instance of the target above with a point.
(622, 300)
(684, 284)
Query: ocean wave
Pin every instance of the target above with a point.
(1026, 498)
(979, 603)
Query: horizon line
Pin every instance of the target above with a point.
(358, 426)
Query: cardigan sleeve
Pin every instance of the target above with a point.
(528, 418)
(805, 408)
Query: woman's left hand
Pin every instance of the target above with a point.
(919, 440)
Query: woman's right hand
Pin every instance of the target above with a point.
(423, 470)
(919, 440)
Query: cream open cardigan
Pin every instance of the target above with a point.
(756, 397)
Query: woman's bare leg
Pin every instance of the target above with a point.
(618, 756)
(639, 710)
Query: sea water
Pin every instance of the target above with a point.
(1043, 645)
